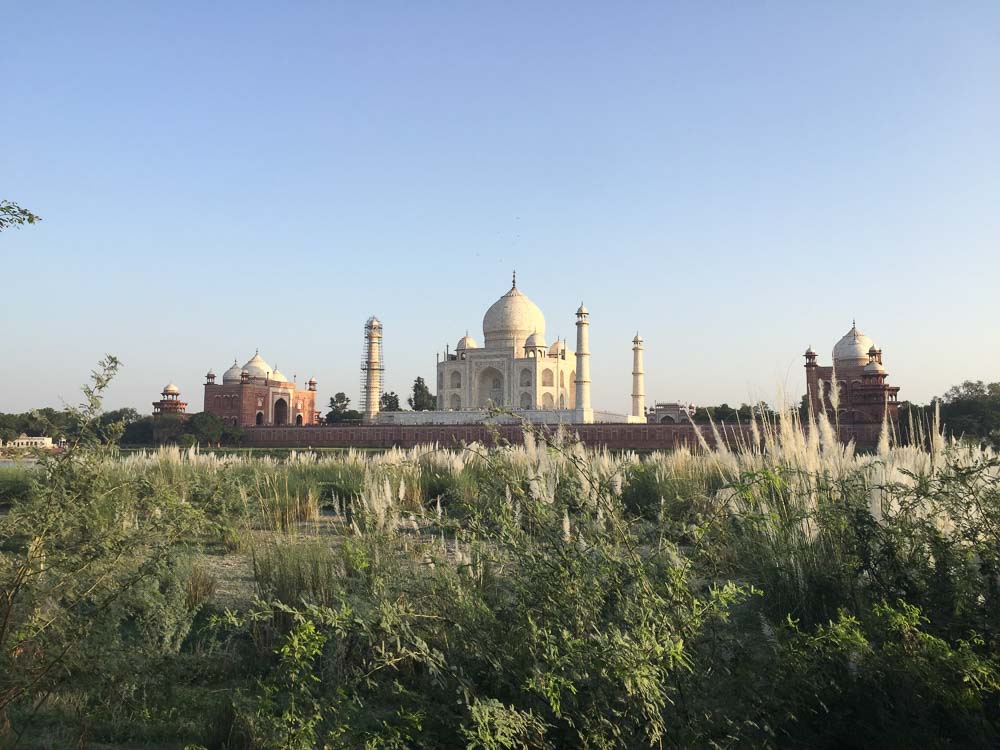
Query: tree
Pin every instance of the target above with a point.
(139, 432)
(422, 398)
(339, 411)
(721, 413)
(970, 390)
(340, 402)
(12, 215)
(111, 419)
(204, 427)
(233, 435)
(389, 402)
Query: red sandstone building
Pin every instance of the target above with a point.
(170, 403)
(257, 395)
(864, 395)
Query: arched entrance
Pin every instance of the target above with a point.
(260, 418)
(281, 411)
(298, 420)
(490, 388)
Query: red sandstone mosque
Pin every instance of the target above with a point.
(864, 395)
(257, 395)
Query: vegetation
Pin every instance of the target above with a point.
(340, 411)
(422, 398)
(12, 215)
(389, 401)
(783, 592)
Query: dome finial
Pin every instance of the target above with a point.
(513, 279)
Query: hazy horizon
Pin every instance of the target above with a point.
(735, 184)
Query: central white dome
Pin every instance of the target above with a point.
(852, 349)
(510, 320)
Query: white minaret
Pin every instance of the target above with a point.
(638, 380)
(372, 369)
(584, 414)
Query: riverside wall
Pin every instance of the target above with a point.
(641, 437)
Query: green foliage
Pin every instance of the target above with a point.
(12, 215)
(87, 577)
(422, 398)
(389, 401)
(340, 411)
(791, 593)
(205, 427)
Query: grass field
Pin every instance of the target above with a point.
(784, 592)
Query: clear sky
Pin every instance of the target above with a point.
(734, 180)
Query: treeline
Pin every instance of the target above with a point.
(126, 426)
(970, 411)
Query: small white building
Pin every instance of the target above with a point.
(44, 443)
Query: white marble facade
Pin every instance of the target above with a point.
(514, 369)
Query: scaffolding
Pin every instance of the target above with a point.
(372, 368)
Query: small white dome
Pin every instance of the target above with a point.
(874, 367)
(171, 389)
(535, 341)
(312, 381)
(557, 348)
(257, 367)
(810, 352)
(277, 376)
(637, 339)
(232, 375)
(852, 349)
(466, 342)
(581, 310)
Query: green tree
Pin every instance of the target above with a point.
(422, 398)
(12, 215)
(339, 408)
(233, 435)
(205, 428)
(972, 410)
(138, 433)
(389, 402)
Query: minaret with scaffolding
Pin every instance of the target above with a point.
(371, 370)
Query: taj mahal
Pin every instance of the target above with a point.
(517, 376)
(514, 375)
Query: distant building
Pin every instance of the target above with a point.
(670, 413)
(170, 403)
(864, 396)
(43, 443)
(257, 395)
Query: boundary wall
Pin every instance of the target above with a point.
(621, 436)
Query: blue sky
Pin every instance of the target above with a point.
(734, 180)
